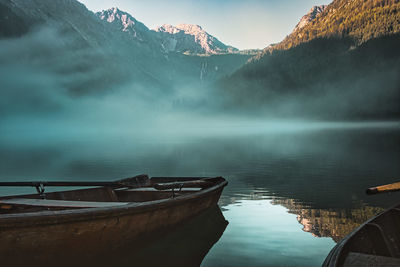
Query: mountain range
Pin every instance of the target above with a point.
(341, 60)
(104, 50)
(182, 38)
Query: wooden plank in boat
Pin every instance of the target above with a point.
(190, 189)
(361, 260)
(60, 203)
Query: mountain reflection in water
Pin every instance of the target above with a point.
(334, 223)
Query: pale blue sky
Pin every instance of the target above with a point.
(244, 24)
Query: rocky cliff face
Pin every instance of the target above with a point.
(310, 16)
(125, 22)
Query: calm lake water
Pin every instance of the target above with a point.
(292, 193)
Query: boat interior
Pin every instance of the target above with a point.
(376, 241)
(154, 189)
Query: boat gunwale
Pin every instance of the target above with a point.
(335, 257)
(31, 219)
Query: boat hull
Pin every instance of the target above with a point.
(92, 231)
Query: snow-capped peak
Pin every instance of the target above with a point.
(124, 21)
(191, 38)
(186, 28)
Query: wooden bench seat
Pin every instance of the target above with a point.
(60, 203)
(147, 189)
(360, 260)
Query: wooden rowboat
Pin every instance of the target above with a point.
(101, 219)
(374, 243)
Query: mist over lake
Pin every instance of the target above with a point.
(316, 171)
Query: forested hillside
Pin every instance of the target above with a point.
(344, 64)
(361, 20)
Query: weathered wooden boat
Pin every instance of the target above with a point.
(100, 219)
(374, 243)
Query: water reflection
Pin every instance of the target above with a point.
(263, 234)
(334, 223)
(185, 245)
(316, 177)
